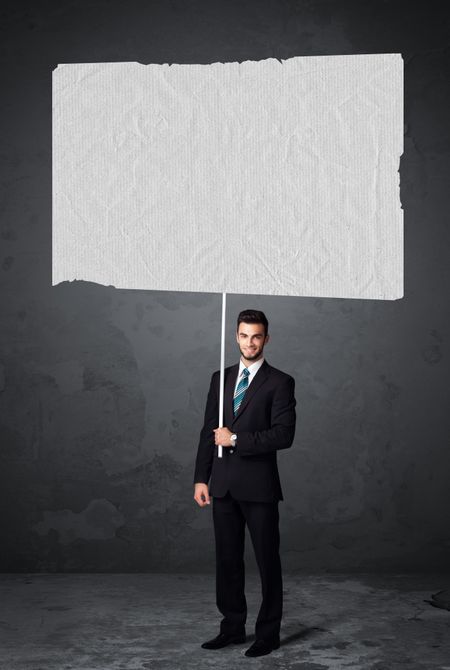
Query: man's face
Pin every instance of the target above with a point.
(251, 340)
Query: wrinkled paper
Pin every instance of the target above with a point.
(267, 177)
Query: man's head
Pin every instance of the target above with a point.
(252, 334)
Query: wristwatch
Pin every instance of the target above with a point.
(233, 439)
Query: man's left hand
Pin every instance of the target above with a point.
(222, 436)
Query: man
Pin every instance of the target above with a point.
(259, 419)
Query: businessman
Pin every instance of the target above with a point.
(259, 419)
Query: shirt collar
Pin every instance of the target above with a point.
(253, 368)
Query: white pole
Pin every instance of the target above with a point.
(222, 368)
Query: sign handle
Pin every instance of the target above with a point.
(222, 368)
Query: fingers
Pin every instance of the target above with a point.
(222, 437)
(217, 437)
(202, 501)
(201, 495)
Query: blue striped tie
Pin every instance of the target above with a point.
(240, 390)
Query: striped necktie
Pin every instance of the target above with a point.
(240, 390)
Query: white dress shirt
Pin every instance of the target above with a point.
(253, 369)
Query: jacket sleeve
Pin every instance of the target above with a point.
(206, 445)
(281, 433)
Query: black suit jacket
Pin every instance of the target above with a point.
(264, 423)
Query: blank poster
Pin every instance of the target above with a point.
(267, 177)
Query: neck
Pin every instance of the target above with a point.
(247, 361)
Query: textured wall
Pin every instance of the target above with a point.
(102, 391)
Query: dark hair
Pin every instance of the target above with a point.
(253, 316)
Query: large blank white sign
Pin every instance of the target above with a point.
(269, 177)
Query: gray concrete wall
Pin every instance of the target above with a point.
(102, 391)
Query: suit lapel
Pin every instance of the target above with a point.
(257, 381)
(228, 393)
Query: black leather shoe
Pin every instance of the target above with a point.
(261, 648)
(223, 640)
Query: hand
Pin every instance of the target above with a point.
(222, 436)
(201, 494)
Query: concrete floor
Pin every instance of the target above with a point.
(158, 621)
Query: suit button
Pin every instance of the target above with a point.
(231, 451)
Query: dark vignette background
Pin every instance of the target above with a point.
(102, 391)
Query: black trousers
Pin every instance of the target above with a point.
(230, 517)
